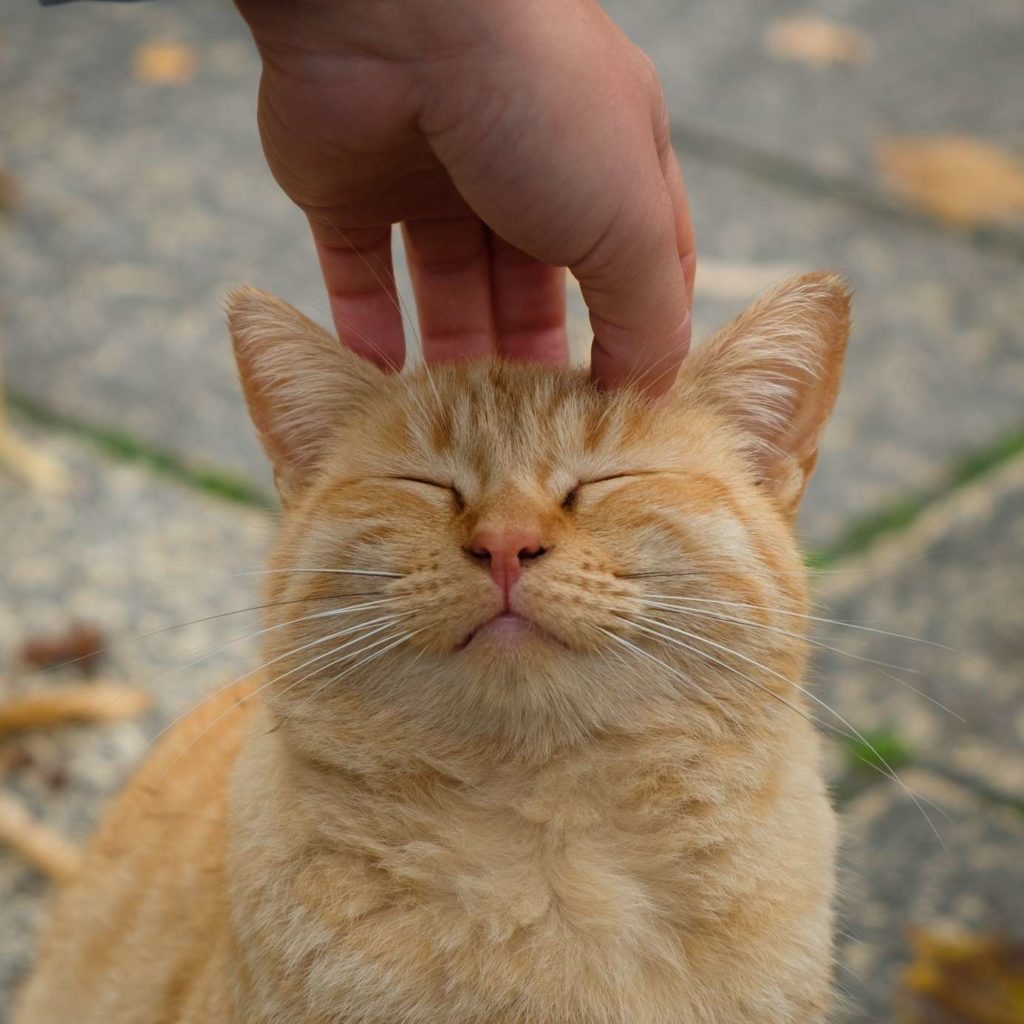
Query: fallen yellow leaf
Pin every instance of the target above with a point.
(164, 63)
(813, 40)
(961, 978)
(958, 178)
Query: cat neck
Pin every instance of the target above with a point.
(411, 724)
(378, 752)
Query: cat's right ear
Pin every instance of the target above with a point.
(301, 384)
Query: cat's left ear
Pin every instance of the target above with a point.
(301, 384)
(774, 373)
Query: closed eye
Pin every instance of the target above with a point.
(570, 499)
(460, 502)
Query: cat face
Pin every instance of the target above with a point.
(503, 552)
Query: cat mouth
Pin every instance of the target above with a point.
(507, 628)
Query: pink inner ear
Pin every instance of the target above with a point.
(800, 411)
(299, 382)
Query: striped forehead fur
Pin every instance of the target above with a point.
(770, 377)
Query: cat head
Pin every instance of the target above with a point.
(500, 552)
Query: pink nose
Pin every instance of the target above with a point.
(505, 550)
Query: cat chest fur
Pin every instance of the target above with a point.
(568, 897)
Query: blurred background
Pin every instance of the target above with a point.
(882, 138)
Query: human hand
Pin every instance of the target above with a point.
(510, 140)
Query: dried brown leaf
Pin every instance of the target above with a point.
(962, 978)
(164, 63)
(815, 41)
(80, 645)
(957, 178)
(8, 191)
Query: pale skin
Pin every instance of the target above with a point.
(510, 141)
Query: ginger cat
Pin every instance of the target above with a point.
(530, 744)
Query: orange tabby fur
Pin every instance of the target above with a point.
(615, 816)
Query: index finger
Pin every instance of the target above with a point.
(638, 291)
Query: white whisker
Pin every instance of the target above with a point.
(197, 659)
(877, 665)
(395, 637)
(270, 682)
(718, 617)
(340, 572)
(192, 662)
(854, 731)
(841, 570)
(812, 618)
(273, 661)
(391, 620)
(622, 641)
(139, 637)
(806, 716)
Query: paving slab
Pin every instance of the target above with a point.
(940, 848)
(141, 204)
(930, 68)
(131, 553)
(944, 602)
(134, 553)
(961, 877)
(935, 365)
